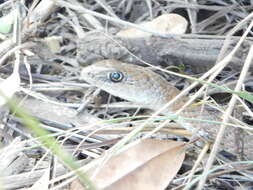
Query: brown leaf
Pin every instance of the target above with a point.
(166, 23)
(151, 164)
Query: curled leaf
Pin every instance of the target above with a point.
(166, 23)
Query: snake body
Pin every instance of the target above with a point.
(143, 86)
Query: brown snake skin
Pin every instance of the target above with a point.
(143, 86)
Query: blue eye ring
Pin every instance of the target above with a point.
(116, 76)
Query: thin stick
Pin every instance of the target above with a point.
(226, 118)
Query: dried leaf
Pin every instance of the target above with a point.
(151, 164)
(166, 23)
(9, 86)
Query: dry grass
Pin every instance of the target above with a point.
(90, 126)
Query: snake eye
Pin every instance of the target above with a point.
(116, 76)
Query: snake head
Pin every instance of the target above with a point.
(130, 82)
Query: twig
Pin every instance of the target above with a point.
(226, 118)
